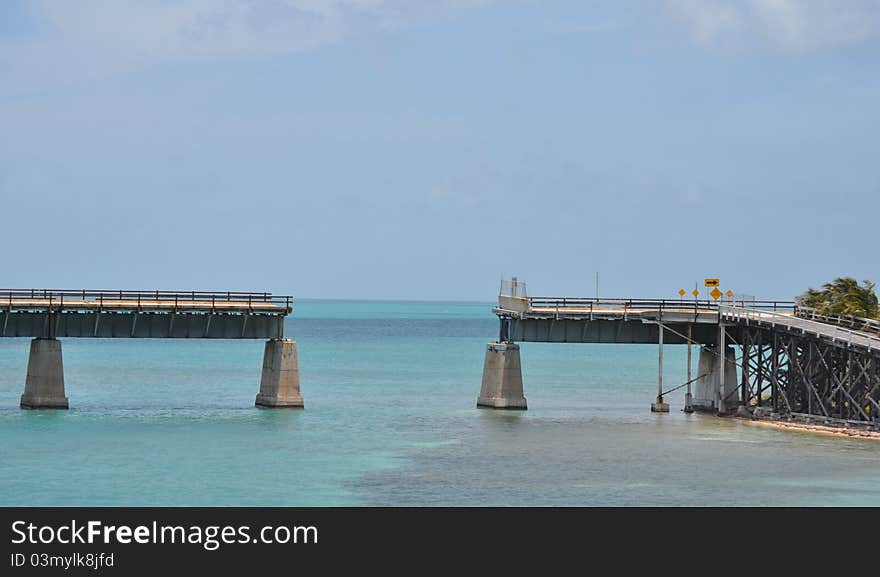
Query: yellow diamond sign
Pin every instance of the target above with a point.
(729, 294)
(696, 293)
(716, 294)
(681, 292)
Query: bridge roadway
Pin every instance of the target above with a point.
(153, 314)
(631, 321)
(791, 358)
(548, 316)
(47, 315)
(796, 323)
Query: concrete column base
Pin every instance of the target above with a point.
(502, 386)
(279, 385)
(659, 406)
(688, 403)
(743, 411)
(44, 384)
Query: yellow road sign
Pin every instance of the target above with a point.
(730, 294)
(713, 282)
(681, 292)
(696, 293)
(716, 294)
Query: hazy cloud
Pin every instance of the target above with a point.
(580, 27)
(101, 33)
(792, 25)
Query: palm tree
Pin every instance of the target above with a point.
(843, 296)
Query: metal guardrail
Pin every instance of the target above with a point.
(590, 304)
(847, 321)
(56, 297)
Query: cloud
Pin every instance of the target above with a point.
(194, 28)
(791, 25)
(71, 42)
(563, 27)
(120, 32)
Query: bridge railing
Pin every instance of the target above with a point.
(591, 303)
(57, 297)
(847, 321)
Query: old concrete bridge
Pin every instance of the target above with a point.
(47, 315)
(779, 360)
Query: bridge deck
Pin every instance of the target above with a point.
(835, 334)
(145, 314)
(543, 312)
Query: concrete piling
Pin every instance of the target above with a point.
(688, 403)
(688, 397)
(658, 406)
(502, 386)
(706, 390)
(279, 385)
(44, 384)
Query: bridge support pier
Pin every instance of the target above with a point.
(709, 380)
(44, 384)
(279, 385)
(688, 397)
(502, 386)
(658, 406)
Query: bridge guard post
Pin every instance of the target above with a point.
(279, 385)
(44, 384)
(502, 386)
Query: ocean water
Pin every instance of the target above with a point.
(390, 419)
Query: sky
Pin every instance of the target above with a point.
(405, 149)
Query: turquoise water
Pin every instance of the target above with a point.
(390, 389)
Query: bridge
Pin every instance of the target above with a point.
(47, 315)
(779, 360)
